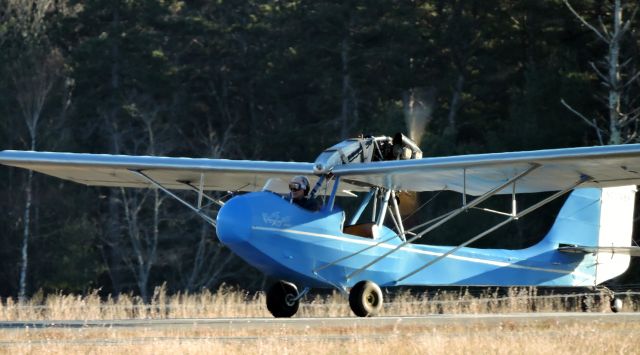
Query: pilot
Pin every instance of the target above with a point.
(299, 187)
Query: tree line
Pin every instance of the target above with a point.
(276, 80)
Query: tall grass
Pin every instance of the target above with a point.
(560, 336)
(231, 302)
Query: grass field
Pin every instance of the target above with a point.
(229, 302)
(564, 337)
(505, 338)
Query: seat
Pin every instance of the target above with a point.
(362, 229)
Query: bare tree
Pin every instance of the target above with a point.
(617, 74)
(35, 68)
(211, 262)
(33, 76)
(143, 230)
(143, 236)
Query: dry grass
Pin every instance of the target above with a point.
(564, 337)
(229, 302)
(471, 336)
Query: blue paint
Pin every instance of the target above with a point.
(288, 242)
(362, 207)
(332, 198)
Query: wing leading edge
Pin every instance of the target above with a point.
(172, 173)
(472, 174)
(605, 166)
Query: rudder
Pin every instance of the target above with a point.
(597, 217)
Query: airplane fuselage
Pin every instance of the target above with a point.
(308, 248)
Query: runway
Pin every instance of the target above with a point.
(293, 323)
(437, 333)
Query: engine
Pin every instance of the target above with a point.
(365, 150)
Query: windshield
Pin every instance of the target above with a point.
(276, 185)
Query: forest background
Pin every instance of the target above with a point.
(280, 80)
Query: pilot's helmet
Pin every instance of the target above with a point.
(299, 183)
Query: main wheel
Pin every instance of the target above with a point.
(365, 299)
(616, 305)
(281, 299)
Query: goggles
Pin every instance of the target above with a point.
(295, 186)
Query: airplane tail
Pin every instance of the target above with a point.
(597, 221)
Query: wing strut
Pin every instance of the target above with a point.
(471, 204)
(158, 185)
(397, 220)
(497, 226)
(202, 195)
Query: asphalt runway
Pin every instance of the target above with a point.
(292, 323)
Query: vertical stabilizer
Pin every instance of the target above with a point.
(578, 222)
(616, 228)
(593, 218)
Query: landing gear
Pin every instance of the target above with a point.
(365, 299)
(616, 305)
(283, 300)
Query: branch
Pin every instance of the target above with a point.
(604, 27)
(635, 112)
(626, 62)
(595, 30)
(598, 72)
(590, 123)
(631, 138)
(627, 23)
(632, 79)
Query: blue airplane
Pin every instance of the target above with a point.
(589, 243)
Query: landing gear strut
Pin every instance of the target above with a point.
(365, 299)
(615, 303)
(283, 300)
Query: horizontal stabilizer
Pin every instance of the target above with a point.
(631, 251)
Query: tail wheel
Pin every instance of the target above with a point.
(365, 299)
(281, 299)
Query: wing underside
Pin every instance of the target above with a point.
(550, 170)
(171, 173)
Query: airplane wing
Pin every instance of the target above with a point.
(473, 174)
(606, 166)
(171, 173)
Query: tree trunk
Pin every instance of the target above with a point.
(346, 89)
(456, 102)
(25, 239)
(112, 246)
(614, 78)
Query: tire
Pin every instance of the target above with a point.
(279, 299)
(365, 299)
(616, 305)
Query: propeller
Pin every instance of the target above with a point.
(418, 105)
